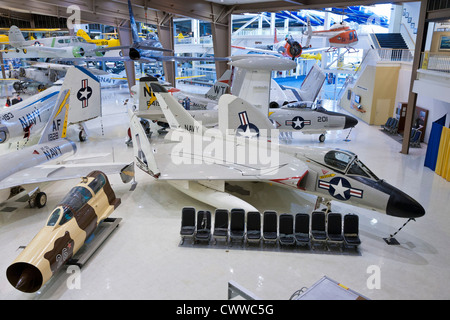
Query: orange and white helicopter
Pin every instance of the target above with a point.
(340, 35)
(289, 47)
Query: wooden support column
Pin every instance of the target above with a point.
(166, 37)
(422, 29)
(221, 36)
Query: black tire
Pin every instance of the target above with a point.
(322, 138)
(41, 200)
(82, 136)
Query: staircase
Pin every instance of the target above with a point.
(391, 40)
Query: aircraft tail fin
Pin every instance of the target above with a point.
(252, 78)
(83, 34)
(134, 30)
(56, 127)
(16, 38)
(220, 87)
(238, 116)
(312, 84)
(85, 95)
(147, 99)
(177, 117)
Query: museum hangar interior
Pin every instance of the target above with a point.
(224, 149)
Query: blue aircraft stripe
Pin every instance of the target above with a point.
(297, 96)
(90, 74)
(41, 99)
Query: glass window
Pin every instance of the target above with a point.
(54, 217)
(338, 160)
(97, 183)
(356, 169)
(76, 198)
(67, 215)
(67, 40)
(60, 41)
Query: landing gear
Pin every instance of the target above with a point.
(37, 199)
(82, 136)
(325, 202)
(83, 132)
(322, 138)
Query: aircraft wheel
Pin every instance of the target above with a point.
(82, 136)
(41, 200)
(322, 138)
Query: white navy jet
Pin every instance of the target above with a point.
(201, 162)
(26, 119)
(27, 168)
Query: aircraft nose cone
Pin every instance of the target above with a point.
(350, 122)
(402, 205)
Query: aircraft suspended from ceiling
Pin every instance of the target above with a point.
(289, 47)
(142, 50)
(53, 47)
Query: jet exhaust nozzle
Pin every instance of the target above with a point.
(134, 54)
(24, 277)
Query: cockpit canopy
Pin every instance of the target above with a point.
(347, 162)
(72, 203)
(59, 216)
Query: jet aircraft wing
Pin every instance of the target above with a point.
(56, 172)
(200, 164)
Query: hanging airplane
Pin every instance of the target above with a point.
(26, 119)
(68, 227)
(43, 162)
(146, 50)
(46, 74)
(297, 113)
(99, 42)
(53, 47)
(204, 163)
(289, 47)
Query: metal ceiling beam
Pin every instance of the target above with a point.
(276, 6)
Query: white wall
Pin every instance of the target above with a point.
(437, 109)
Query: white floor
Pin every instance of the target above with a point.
(143, 258)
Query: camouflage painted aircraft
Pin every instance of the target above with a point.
(68, 227)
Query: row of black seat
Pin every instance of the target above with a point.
(391, 125)
(288, 229)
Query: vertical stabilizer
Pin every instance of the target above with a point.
(16, 38)
(56, 127)
(134, 30)
(252, 80)
(177, 117)
(221, 87)
(85, 94)
(242, 118)
(147, 99)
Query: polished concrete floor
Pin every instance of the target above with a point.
(143, 258)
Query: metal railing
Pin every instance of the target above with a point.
(395, 55)
(435, 62)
